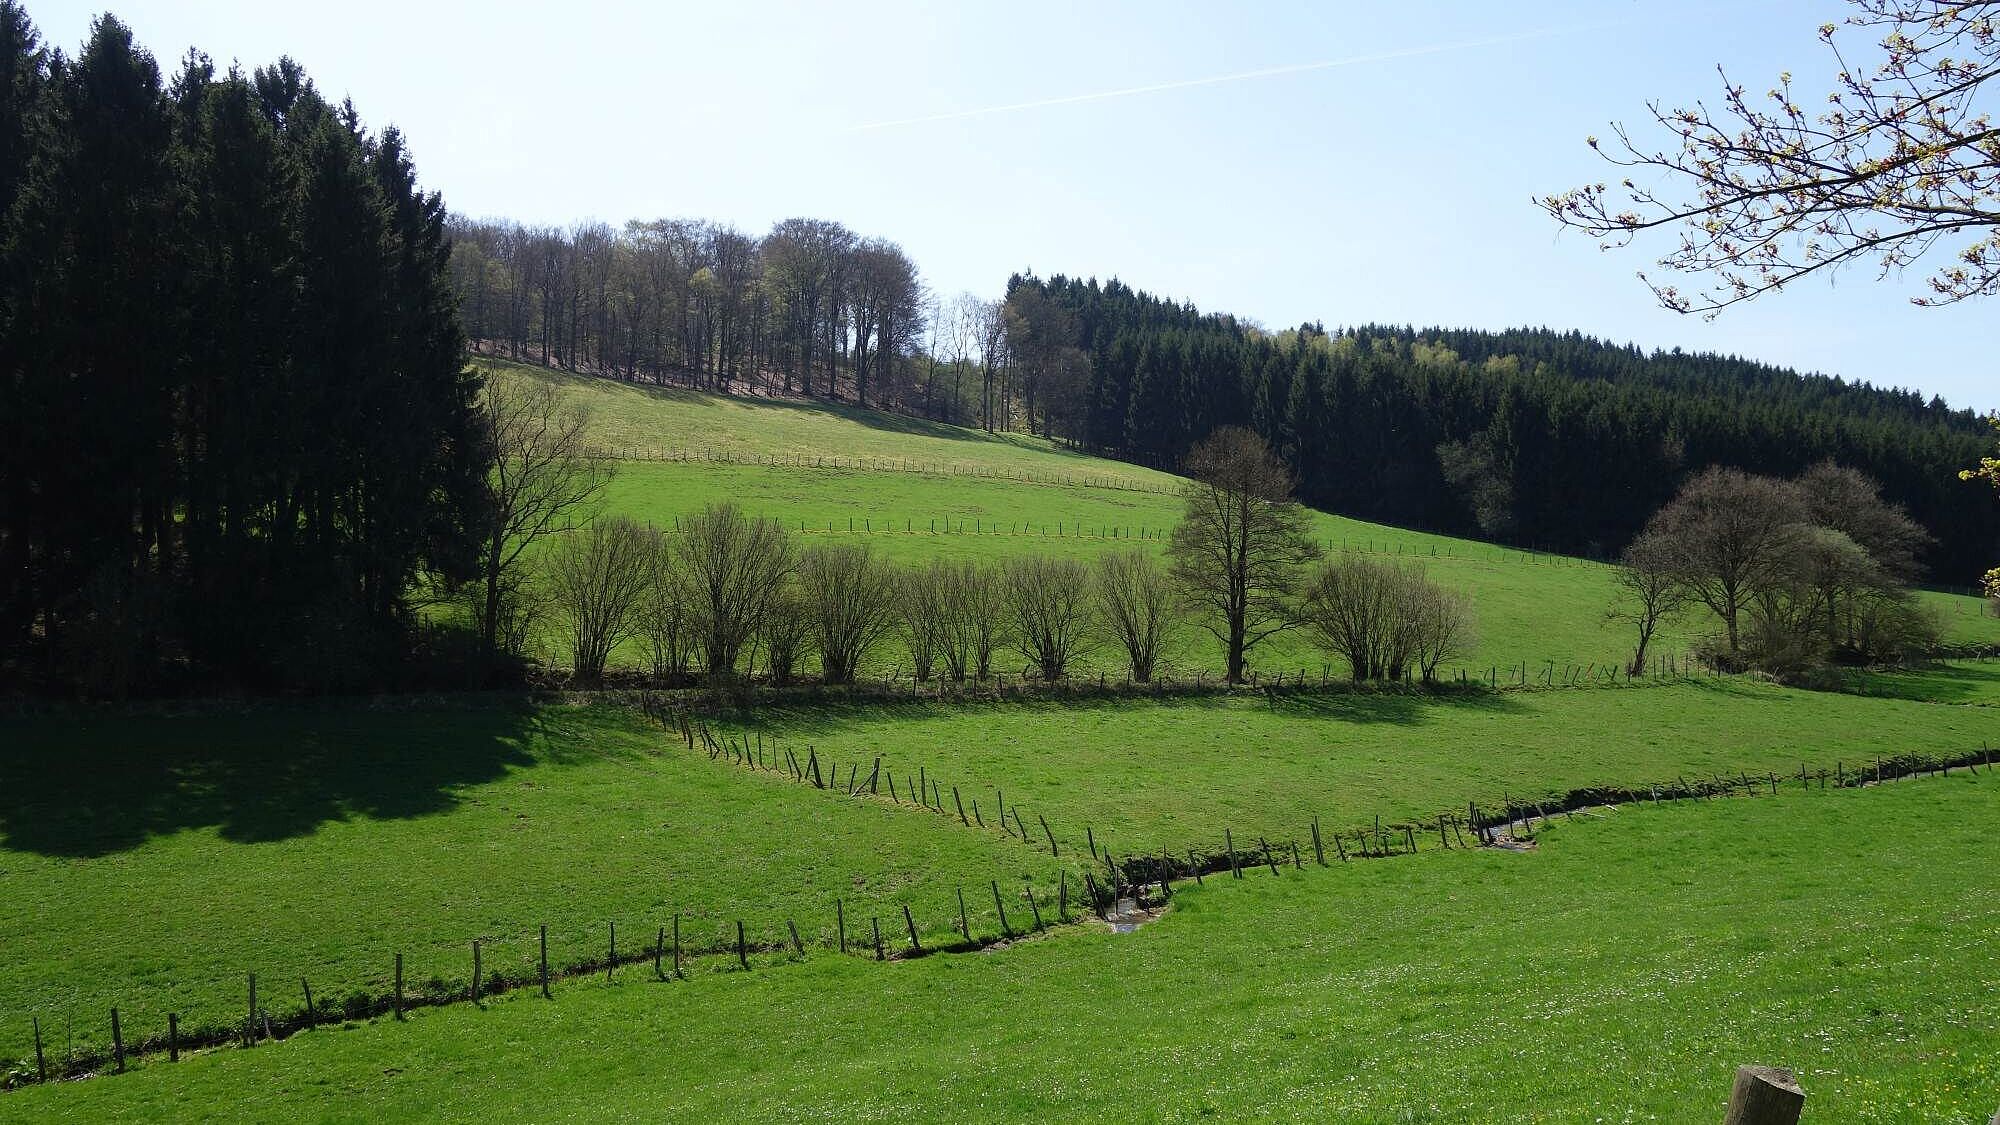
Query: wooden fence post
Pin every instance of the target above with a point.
(964, 927)
(545, 961)
(41, 1063)
(677, 947)
(475, 970)
(117, 1042)
(1764, 1095)
(250, 1028)
(399, 986)
(742, 954)
(312, 1014)
(875, 924)
(173, 1037)
(840, 918)
(915, 945)
(1005, 930)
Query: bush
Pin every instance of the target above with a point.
(1048, 600)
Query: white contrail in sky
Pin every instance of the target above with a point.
(1219, 79)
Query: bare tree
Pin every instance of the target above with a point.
(1136, 602)
(1241, 547)
(1899, 162)
(665, 621)
(850, 602)
(1440, 623)
(545, 475)
(597, 576)
(733, 566)
(1727, 536)
(975, 618)
(1649, 593)
(1353, 607)
(786, 631)
(1849, 502)
(1049, 601)
(925, 604)
(993, 360)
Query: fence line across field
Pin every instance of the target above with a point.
(1136, 877)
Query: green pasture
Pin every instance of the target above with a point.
(152, 863)
(1618, 973)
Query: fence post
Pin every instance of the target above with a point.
(117, 1041)
(399, 986)
(1764, 1095)
(545, 962)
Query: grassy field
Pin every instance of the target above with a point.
(151, 863)
(1970, 682)
(1146, 776)
(915, 490)
(1618, 973)
(155, 861)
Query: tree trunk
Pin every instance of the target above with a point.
(1764, 1095)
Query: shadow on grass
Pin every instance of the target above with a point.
(80, 785)
(860, 415)
(1402, 706)
(1942, 683)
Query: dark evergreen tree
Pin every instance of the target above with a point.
(237, 406)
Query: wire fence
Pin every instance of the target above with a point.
(1132, 882)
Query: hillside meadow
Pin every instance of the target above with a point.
(919, 490)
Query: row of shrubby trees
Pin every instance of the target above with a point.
(727, 596)
(1793, 573)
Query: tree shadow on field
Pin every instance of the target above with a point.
(82, 784)
(809, 718)
(1939, 683)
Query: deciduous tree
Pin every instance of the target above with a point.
(1242, 545)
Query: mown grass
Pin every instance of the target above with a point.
(1532, 609)
(151, 863)
(1145, 776)
(1619, 973)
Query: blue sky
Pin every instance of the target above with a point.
(1394, 186)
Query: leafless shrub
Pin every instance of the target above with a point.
(1048, 600)
(597, 576)
(850, 601)
(1136, 602)
(732, 565)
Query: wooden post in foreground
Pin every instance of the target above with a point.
(1765, 1095)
